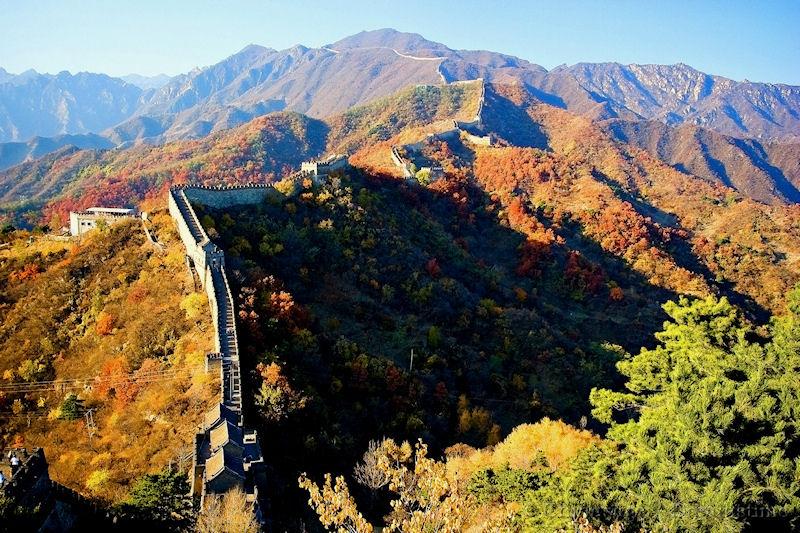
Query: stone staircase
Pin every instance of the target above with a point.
(189, 216)
(229, 346)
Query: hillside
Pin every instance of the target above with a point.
(766, 172)
(14, 153)
(267, 147)
(519, 283)
(259, 151)
(340, 283)
(680, 231)
(112, 307)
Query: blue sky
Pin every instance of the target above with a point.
(756, 40)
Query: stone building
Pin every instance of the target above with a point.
(226, 456)
(321, 167)
(82, 221)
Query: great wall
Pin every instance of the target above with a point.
(472, 132)
(226, 453)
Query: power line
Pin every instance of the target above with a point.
(82, 383)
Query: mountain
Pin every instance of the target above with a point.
(45, 105)
(326, 81)
(14, 153)
(257, 80)
(264, 149)
(450, 308)
(678, 94)
(614, 189)
(767, 172)
(147, 82)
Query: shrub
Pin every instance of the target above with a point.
(105, 323)
(194, 305)
(97, 480)
(71, 408)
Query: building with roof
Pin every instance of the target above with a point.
(223, 472)
(226, 456)
(220, 412)
(82, 221)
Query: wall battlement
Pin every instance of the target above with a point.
(217, 467)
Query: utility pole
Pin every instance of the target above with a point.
(90, 425)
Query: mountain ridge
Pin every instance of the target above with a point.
(310, 80)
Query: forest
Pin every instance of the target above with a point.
(120, 318)
(512, 314)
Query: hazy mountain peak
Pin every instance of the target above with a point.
(388, 38)
(254, 48)
(147, 82)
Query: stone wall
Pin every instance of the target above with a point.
(481, 140)
(398, 160)
(222, 197)
(317, 167)
(81, 222)
(186, 219)
(204, 255)
(209, 263)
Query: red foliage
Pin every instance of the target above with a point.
(432, 267)
(503, 169)
(116, 382)
(582, 274)
(394, 378)
(137, 294)
(105, 323)
(532, 255)
(620, 228)
(29, 271)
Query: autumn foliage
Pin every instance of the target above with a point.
(105, 323)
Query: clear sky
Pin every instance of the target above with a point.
(756, 40)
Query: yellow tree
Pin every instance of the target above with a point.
(229, 513)
(425, 500)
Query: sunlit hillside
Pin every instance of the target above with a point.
(117, 322)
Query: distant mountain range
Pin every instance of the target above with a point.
(147, 82)
(641, 103)
(48, 105)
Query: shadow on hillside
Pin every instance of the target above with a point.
(549, 343)
(511, 122)
(759, 157)
(573, 320)
(681, 251)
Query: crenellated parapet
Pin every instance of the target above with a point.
(226, 455)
